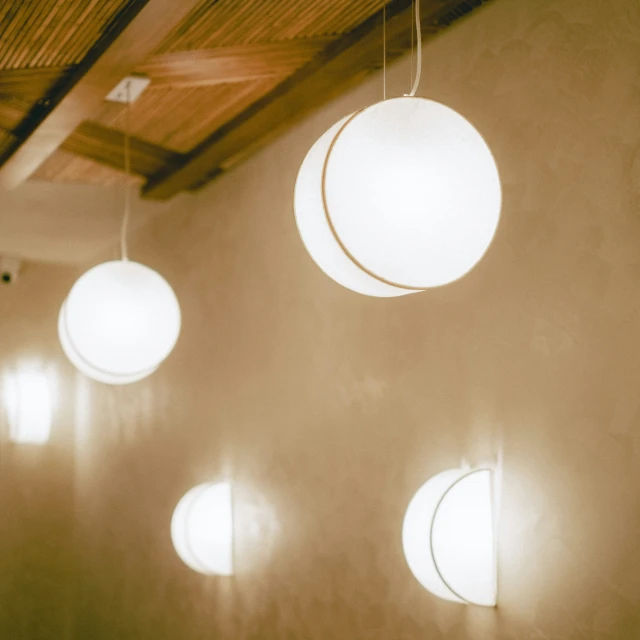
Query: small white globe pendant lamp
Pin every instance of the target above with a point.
(202, 529)
(398, 197)
(121, 319)
(119, 322)
(448, 536)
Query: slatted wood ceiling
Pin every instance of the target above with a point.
(187, 127)
(70, 168)
(219, 23)
(179, 117)
(51, 33)
(224, 58)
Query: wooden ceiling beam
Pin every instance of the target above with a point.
(231, 64)
(106, 146)
(340, 65)
(12, 112)
(131, 38)
(30, 83)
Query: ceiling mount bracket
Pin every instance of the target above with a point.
(137, 84)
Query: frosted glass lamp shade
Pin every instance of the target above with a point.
(316, 233)
(449, 539)
(119, 322)
(202, 529)
(398, 197)
(84, 367)
(28, 399)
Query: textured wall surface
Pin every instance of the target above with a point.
(328, 410)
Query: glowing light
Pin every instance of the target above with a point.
(398, 197)
(202, 529)
(448, 536)
(316, 233)
(119, 322)
(84, 367)
(28, 398)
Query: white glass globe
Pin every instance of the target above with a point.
(398, 197)
(119, 322)
(316, 233)
(412, 192)
(85, 367)
(448, 536)
(202, 529)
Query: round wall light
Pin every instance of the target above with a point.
(119, 322)
(448, 536)
(202, 529)
(398, 197)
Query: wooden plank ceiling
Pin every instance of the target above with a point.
(226, 76)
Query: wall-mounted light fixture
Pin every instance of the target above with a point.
(449, 536)
(202, 529)
(28, 398)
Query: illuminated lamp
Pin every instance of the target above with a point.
(448, 536)
(120, 320)
(202, 529)
(398, 197)
(84, 367)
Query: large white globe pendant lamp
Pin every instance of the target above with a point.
(121, 319)
(316, 232)
(202, 529)
(398, 197)
(448, 536)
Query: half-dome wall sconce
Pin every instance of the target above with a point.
(202, 529)
(449, 535)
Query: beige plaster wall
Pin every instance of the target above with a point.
(328, 410)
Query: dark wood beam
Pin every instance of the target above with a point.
(12, 112)
(134, 34)
(106, 146)
(341, 65)
(31, 83)
(231, 64)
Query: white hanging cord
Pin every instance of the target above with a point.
(384, 51)
(416, 81)
(412, 45)
(127, 169)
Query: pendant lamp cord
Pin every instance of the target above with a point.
(413, 53)
(384, 52)
(127, 169)
(416, 80)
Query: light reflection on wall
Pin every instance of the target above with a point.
(29, 395)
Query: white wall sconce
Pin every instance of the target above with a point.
(449, 536)
(202, 529)
(28, 399)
